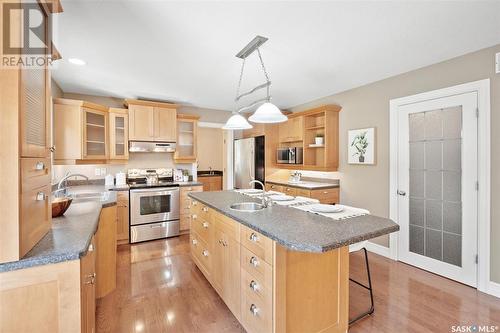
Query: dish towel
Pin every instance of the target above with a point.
(347, 213)
(296, 201)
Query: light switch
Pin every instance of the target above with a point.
(497, 63)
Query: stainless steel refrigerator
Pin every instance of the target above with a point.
(249, 156)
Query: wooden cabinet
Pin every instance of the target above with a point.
(256, 130)
(185, 205)
(274, 187)
(80, 132)
(88, 289)
(25, 140)
(106, 252)
(118, 134)
(211, 183)
(152, 121)
(122, 217)
(292, 130)
(187, 127)
(325, 196)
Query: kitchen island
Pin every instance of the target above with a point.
(279, 269)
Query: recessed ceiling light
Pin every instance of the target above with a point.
(76, 61)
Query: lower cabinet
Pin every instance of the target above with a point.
(325, 196)
(185, 204)
(87, 288)
(122, 217)
(211, 183)
(106, 252)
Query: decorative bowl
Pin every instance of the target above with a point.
(60, 205)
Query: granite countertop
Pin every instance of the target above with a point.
(70, 235)
(307, 184)
(213, 173)
(296, 229)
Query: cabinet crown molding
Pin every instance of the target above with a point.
(187, 116)
(85, 104)
(128, 102)
(328, 107)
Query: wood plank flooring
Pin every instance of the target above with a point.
(159, 289)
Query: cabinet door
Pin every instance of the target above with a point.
(141, 120)
(296, 128)
(118, 136)
(106, 253)
(87, 287)
(36, 216)
(165, 124)
(283, 131)
(232, 275)
(122, 224)
(95, 133)
(186, 140)
(218, 261)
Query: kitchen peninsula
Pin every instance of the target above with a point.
(278, 269)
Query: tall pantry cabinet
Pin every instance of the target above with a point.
(25, 153)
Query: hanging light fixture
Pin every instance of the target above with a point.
(266, 112)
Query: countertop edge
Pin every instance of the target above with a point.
(317, 187)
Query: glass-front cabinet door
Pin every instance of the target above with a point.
(95, 134)
(118, 134)
(186, 138)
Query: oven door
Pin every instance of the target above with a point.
(283, 155)
(154, 205)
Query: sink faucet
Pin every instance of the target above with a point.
(69, 175)
(265, 199)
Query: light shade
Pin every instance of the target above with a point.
(268, 113)
(76, 61)
(237, 122)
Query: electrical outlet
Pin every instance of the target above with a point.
(97, 171)
(103, 171)
(497, 63)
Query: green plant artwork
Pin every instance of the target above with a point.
(360, 143)
(361, 148)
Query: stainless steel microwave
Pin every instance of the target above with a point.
(290, 155)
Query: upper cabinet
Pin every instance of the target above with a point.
(152, 121)
(291, 130)
(118, 134)
(80, 131)
(187, 126)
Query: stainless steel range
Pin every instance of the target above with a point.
(154, 204)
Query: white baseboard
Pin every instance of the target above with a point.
(379, 249)
(493, 289)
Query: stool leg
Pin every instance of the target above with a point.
(369, 288)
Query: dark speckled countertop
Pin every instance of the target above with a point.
(296, 229)
(70, 235)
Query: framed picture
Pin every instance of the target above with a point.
(361, 148)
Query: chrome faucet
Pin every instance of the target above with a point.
(265, 199)
(69, 175)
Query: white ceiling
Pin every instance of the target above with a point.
(185, 51)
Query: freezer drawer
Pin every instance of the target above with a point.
(145, 232)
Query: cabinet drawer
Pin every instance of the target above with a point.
(187, 189)
(201, 253)
(201, 210)
(201, 226)
(255, 266)
(290, 190)
(327, 196)
(303, 192)
(36, 216)
(255, 286)
(256, 315)
(226, 225)
(35, 173)
(257, 243)
(274, 187)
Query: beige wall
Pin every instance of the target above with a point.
(210, 141)
(368, 106)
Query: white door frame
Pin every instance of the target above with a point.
(482, 88)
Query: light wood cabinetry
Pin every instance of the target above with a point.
(211, 183)
(187, 128)
(122, 217)
(106, 252)
(325, 196)
(274, 187)
(291, 130)
(256, 130)
(268, 287)
(185, 205)
(88, 288)
(80, 132)
(118, 134)
(152, 121)
(25, 140)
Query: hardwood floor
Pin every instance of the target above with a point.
(159, 289)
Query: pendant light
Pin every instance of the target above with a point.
(267, 112)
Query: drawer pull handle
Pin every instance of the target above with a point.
(325, 192)
(205, 253)
(39, 166)
(194, 241)
(92, 279)
(254, 309)
(205, 225)
(40, 196)
(254, 261)
(194, 217)
(91, 248)
(156, 226)
(205, 209)
(254, 286)
(253, 237)
(195, 203)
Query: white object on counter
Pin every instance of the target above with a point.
(120, 178)
(109, 180)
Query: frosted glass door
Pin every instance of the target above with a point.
(95, 134)
(437, 196)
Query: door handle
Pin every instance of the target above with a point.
(401, 193)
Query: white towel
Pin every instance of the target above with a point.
(297, 200)
(347, 213)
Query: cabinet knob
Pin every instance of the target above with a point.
(194, 241)
(205, 225)
(254, 309)
(205, 209)
(325, 192)
(91, 248)
(92, 278)
(254, 261)
(52, 149)
(40, 196)
(254, 286)
(39, 166)
(253, 237)
(205, 253)
(194, 217)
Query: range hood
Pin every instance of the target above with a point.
(151, 147)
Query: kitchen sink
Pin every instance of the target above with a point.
(247, 206)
